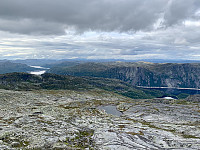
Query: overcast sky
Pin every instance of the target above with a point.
(100, 29)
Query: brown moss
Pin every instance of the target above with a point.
(134, 133)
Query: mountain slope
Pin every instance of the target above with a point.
(8, 67)
(25, 81)
(139, 74)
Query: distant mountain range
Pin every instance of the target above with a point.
(131, 74)
(44, 62)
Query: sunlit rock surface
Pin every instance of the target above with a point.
(71, 120)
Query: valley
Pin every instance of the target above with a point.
(100, 75)
(98, 106)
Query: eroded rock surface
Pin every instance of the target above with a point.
(71, 120)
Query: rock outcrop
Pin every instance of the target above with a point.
(67, 119)
(194, 98)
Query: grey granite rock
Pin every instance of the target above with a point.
(34, 120)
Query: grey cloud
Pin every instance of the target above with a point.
(47, 17)
(24, 46)
(179, 10)
(29, 26)
(53, 17)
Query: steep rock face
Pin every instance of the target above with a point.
(170, 75)
(135, 75)
(140, 74)
(180, 75)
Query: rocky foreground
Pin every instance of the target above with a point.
(64, 119)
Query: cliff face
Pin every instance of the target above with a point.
(170, 75)
(141, 74)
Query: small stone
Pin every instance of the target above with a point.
(62, 138)
(59, 146)
(15, 144)
(1, 142)
(37, 113)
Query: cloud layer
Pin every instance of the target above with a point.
(120, 29)
(53, 17)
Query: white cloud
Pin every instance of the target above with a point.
(192, 23)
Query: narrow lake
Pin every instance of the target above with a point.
(38, 72)
(174, 90)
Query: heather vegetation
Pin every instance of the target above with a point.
(25, 81)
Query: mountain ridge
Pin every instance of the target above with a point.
(184, 75)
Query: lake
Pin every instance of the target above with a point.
(38, 72)
(174, 90)
(110, 109)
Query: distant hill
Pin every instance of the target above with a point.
(36, 62)
(25, 81)
(8, 67)
(47, 63)
(185, 75)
